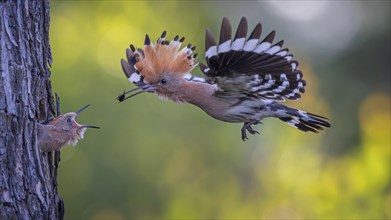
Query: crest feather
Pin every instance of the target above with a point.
(164, 58)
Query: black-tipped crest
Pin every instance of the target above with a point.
(132, 48)
(163, 34)
(145, 67)
(147, 40)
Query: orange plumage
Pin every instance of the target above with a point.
(164, 58)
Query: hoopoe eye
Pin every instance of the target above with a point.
(68, 120)
(163, 81)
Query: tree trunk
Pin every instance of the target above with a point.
(28, 187)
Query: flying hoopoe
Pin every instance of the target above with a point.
(245, 78)
(61, 131)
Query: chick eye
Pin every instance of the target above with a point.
(68, 120)
(163, 81)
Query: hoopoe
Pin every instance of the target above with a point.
(245, 78)
(61, 131)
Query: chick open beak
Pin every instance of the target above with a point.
(86, 126)
(89, 126)
(82, 109)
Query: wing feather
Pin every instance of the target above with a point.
(261, 69)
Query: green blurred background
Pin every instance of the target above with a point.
(157, 159)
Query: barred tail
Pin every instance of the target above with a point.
(304, 121)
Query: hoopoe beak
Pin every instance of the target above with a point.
(85, 126)
(89, 126)
(140, 89)
(82, 109)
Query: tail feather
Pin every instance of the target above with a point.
(305, 121)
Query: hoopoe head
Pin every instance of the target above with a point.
(67, 129)
(158, 68)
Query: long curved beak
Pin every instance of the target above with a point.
(143, 88)
(85, 126)
(82, 109)
(89, 126)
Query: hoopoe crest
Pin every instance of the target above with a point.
(159, 64)
(246, 79)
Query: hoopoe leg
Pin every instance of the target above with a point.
(247, 127)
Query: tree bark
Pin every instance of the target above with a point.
(28, 185)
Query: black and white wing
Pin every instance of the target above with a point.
(250, 67)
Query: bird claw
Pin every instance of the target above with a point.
(251, 130)
(244, 135)
(247, 127)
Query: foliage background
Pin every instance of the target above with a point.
(156, 159)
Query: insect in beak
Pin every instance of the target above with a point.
(143, 88)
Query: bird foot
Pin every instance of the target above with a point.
(247, 127)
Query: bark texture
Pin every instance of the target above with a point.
(28, 187)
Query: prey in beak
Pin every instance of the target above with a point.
(138, 90)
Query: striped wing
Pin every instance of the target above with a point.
(250, 67)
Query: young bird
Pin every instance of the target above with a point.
(61, 131)
(245, 78)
